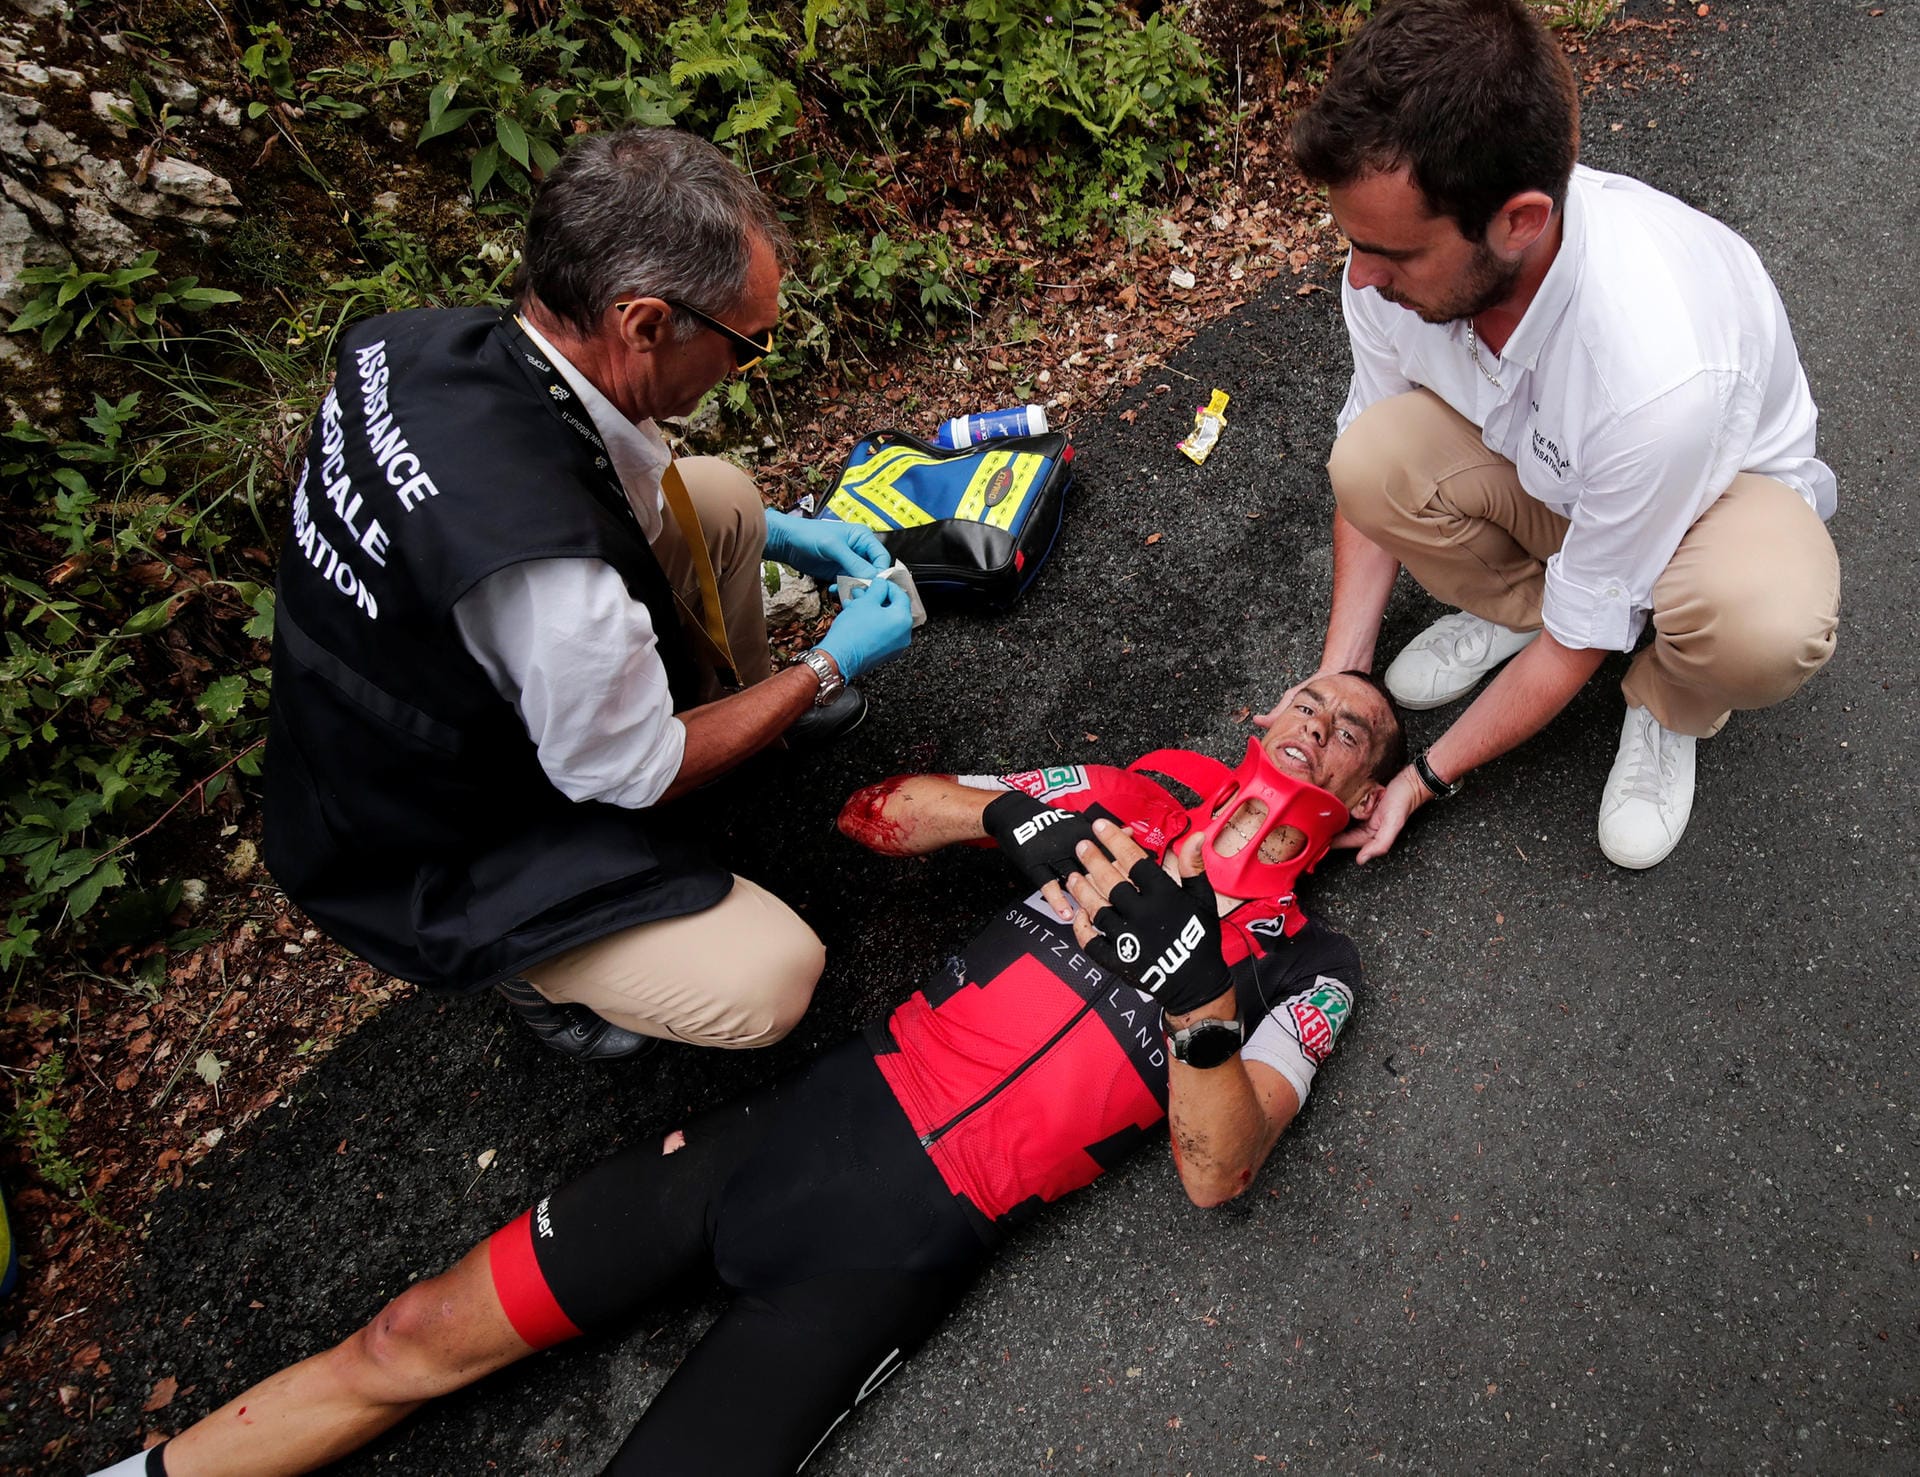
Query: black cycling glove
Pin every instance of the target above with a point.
(1039, 839)
(1164, 936)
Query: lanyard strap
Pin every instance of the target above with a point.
(714, 626)
(707, 626)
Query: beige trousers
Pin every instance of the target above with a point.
(741, 973)
(1743, 614)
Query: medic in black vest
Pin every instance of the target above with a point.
(406, 808)
(487, 688)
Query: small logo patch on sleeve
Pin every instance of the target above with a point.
(1318, 1015)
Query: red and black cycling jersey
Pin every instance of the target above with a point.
(1027, 1069)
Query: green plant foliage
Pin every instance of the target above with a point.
(476, 75)
(269, 64)
(411, 276)
(38, 1126)
(73, 302)
(809, 96)
(97, 734)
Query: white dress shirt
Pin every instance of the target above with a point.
(1652, 367)
(566, 643)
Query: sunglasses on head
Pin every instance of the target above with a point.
(746, 352)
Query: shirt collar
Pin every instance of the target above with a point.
(1549, 303)
(639, 451)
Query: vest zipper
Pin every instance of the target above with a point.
(934, 1135)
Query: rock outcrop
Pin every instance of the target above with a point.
(103, 183)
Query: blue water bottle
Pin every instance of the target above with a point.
(990, 425)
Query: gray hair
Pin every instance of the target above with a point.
(643, 212)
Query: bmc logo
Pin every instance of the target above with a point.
(1027, 830)
(1155, 975)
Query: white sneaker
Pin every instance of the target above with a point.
(1649, 793)
(1448, 659)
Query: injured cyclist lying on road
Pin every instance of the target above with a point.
(1162, 969)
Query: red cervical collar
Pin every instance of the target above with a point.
(1289, 801)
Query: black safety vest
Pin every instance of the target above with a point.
(406, 809)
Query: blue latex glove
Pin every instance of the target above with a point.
(825, 547)
(875, 626)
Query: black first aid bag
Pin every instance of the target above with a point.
(973, 525)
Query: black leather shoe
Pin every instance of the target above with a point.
(573, 1030)
(818, 727)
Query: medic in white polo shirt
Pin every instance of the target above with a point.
(1577, 416)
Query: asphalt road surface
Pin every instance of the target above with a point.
(1612, 1170)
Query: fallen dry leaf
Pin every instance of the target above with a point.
(1154, 538)
(162, 1395)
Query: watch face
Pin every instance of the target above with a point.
(1210, 1044)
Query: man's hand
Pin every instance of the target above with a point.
(1375, 835)
(1041, 841)
(1137, 921)
(825, 547)
(875, 626)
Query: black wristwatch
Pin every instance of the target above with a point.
(1436, 786)
(1208, 1042)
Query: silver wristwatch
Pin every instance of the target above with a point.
(828, 671)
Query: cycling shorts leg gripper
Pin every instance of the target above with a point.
(633, 1228)
(522, 1288)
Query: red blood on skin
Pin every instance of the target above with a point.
(864, 818)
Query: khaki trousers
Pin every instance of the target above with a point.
(742, 972)
(739, 974)
(1743, 614)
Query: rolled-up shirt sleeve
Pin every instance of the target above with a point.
(1376, 367)
(1647, 476)
(566, 643)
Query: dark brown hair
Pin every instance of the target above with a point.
(1474, 96)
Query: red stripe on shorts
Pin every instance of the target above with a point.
(523, 1292)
